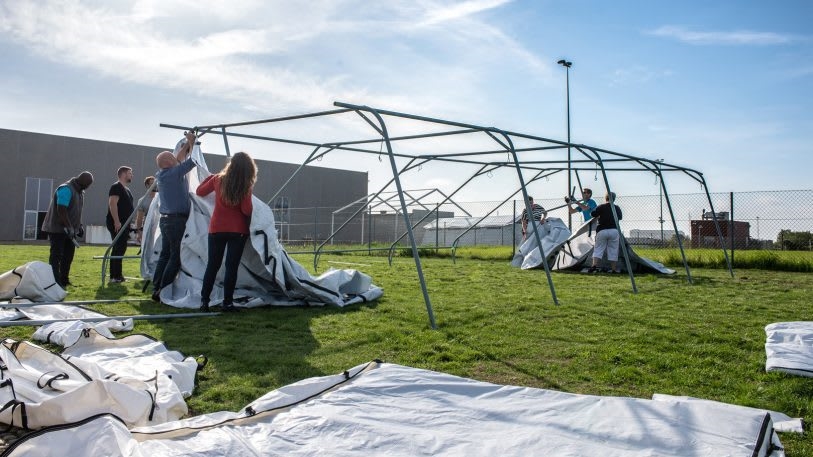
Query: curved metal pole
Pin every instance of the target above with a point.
(717, 226)
(395, 173)
(429, 213)
(530, 213)
(674, 224)
(296, 172)
(318, 251)
(621, 239)
(473, 226)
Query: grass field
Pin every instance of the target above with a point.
(496, 324)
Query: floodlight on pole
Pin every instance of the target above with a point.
(567, 65)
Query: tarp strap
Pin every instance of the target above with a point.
(49, 383)
(14, 404)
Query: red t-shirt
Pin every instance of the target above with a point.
(226, 218)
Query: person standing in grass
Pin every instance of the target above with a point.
(63, 223)
(538, 213)
(174, 207)
(119, 209)
(228, 228)
(607, 235)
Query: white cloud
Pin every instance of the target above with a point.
(739, 37)
(456, 11)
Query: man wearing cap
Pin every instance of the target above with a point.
(63, 223)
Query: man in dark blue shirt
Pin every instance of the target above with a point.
(174, 207)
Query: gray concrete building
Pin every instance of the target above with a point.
(35, 164)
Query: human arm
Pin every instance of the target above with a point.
(186, 148)
(113, 207)
(206, 187)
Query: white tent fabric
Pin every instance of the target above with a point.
(385, 409)
(42, 389)
(34, 281)
(789, 347)
(134, 356)
(552, 234)
(267, 275)
(67, 333)
(577, 253)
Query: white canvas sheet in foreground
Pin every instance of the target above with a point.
(385, 409)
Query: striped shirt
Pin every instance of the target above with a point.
(537, 210)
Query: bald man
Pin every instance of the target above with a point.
(174, 207)
(63, 223)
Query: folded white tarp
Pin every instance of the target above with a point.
(34, 281)
(267, 275)
(552, 234)
(41, 389)
(789, 348)
(384, 409)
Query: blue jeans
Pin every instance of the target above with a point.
(169, 263)
(232, 244)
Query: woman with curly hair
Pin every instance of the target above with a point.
(228, 228)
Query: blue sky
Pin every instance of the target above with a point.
(723, 87)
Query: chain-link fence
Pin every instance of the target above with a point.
(764, 220)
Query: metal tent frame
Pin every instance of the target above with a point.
(588, 158)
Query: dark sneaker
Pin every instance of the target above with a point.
(156, 296)
(204, 307)
(592, 269)
(229, 308)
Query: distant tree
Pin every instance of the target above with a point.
(789, 240)
(673, 241)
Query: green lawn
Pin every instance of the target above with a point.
(497, 324)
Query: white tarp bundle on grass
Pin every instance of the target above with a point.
(41, 389)
(267, 275)
(384, 409)
(577, 253)
(552, 234)
(34, 280)
(789, 348)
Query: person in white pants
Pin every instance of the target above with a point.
(607, 234)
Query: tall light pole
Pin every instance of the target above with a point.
(567, 65)
(660, 197)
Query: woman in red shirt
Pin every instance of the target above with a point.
(228, 228)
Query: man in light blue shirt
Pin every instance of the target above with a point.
(586, 205)
(174, 207)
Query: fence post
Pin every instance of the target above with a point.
(437, 227)
(514, 231)
(731, 225)
(315, 224)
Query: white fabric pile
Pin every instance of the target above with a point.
(789, 348)
(552, 234)
(138, 382)
(384, 409)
